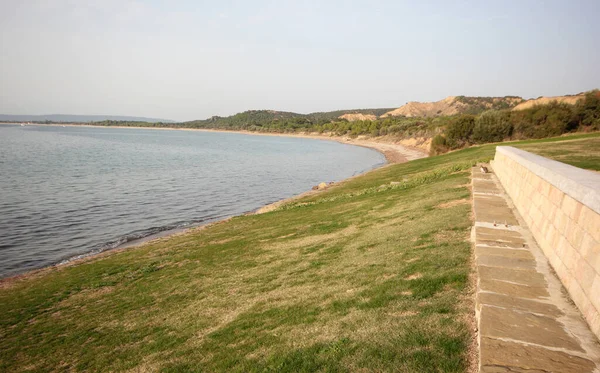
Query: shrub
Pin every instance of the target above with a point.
(553, 119)
(459, 131)
(394, 129)
(587, 111)
(492, 126)
(438, 145)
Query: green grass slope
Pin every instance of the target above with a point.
(371, 274)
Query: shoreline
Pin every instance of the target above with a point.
(7, 282)
(394, 153)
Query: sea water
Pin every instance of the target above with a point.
(72, 191)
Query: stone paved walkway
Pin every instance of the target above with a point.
(525, 319)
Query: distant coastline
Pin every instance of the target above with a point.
(393, 151)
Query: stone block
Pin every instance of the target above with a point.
(536, 199)
(516, 290)
(544, 209)
(556, 196)
(526, 327)
(594, 322)
(562, 272)
(595, 298)
(504, 262)
(590, 251)
(498, 237)
(553, 210)
(590, 222)
(490, 209)
(576, 212)
(498, 356)
(574, 234)
(518, 304)
(568, 206)
(485, 186)
(553, 236)
(517, 276)
(547, 190)
(504, 252)
(535, 214)
(588, 310)
(545, 230)
(570, 259)
(563, 247)
(560, 220)
(585, 275)
(577, 294)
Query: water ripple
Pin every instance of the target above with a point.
(68, 192)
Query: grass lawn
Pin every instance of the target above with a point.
(369, 275)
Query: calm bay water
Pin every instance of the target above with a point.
(70, 191)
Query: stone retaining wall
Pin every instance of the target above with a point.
(561, 205)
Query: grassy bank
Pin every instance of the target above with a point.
(372, 275)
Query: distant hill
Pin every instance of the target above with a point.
(571, 100)
(454, 105)
(66, 118)
(259, 118)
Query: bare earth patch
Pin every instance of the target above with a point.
(414, 276)
(403, 314)
(453, 203)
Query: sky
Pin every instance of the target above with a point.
(185, 60)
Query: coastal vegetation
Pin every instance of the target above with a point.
(371, 274)
(535, 122)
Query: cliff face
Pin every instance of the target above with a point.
(352, 117)
(448, 106)
(571, 100)
(452, 105)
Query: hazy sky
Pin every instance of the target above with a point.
(187, 60)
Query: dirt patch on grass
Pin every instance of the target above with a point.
(414, 276)
(85, 296)
(468, 186)
(403, 314)
(286, 236)
(450, 204)
(312, 240)
(221, 242)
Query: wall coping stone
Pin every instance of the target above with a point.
(581, 185)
